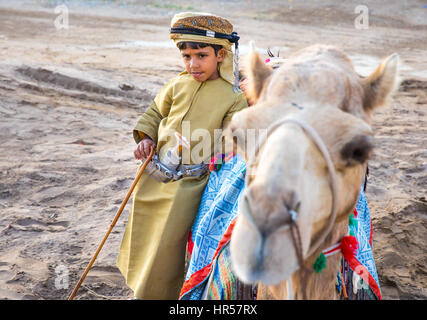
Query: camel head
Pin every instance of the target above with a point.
(318, 87)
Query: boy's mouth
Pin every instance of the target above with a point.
(196, 74)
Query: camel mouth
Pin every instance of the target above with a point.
(255, 258)
(261, 270)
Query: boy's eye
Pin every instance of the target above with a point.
(200, 55)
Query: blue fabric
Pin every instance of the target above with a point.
(219, 206)
(362, 232)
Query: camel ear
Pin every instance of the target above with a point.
(256, 72)
(381, 83)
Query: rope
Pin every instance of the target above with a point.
(296, 238)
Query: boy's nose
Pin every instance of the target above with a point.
(194, 63)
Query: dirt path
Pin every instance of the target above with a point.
(70, 98)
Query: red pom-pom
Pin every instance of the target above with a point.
(349, 246)
(355, 212)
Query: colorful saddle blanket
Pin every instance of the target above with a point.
(218, 209)
(360, 273)
(209, 274)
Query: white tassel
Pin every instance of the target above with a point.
(290, 289)
(236, 87)
(356, 283)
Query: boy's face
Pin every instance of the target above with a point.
(202, 63)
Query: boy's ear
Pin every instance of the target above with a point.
(221, 54)
(257, 73)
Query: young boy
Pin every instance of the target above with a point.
(152, 253)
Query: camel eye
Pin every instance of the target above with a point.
(357, 150)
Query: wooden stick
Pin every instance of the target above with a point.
(344, 290)
(113, 223)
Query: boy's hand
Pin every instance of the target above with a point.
(143, 149)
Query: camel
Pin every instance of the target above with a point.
(287, 214)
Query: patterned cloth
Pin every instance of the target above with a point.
(218, 208)
(209, 275)
(221, 284)
(219, 205)
(360, 274)
(201, 21)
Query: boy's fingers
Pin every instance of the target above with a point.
(143, 150)
(146, 150)
(138, 154)
(141, 146)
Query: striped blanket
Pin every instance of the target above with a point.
(209, 274)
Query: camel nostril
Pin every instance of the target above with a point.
(358, 149)
(290, 200)
(267, 213)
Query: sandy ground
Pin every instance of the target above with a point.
(70, 98)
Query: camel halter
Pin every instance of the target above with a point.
(311, 132)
